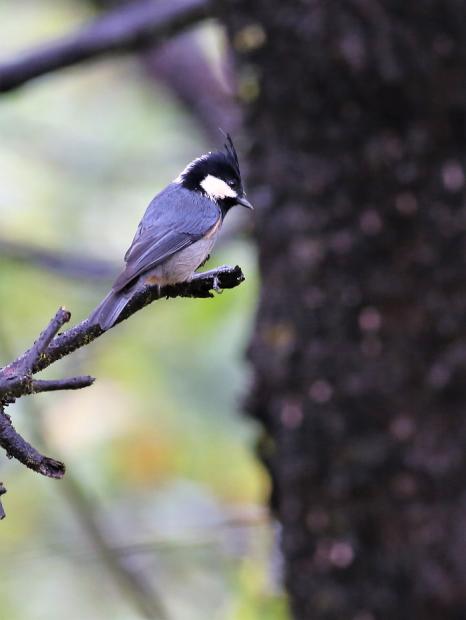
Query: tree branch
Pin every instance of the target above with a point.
(32, 356)
(16, 379)
(73, 383)
(82, 334)
(63, 263)
(183, 66)
(132, 27)
(17, 447)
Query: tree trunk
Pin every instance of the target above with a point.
(355, 112)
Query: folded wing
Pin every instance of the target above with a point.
(174, 220)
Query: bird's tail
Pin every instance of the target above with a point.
(107, 312)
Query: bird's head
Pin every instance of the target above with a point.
(217, 176)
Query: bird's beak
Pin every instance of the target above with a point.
(243, 201)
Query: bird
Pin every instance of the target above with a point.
(178, 230)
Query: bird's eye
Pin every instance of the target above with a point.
(231, 183)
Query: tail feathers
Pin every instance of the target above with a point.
(107, 312)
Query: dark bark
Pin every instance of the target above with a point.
(356, 115)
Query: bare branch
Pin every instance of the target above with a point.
(16, 379)
(20, 449)
(62, 263)
(72, 383)
(132, 27)
(33, 355)
(82, 334)
(182, 65)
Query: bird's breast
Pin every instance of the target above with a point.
(182, 265)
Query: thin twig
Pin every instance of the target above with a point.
(33, 354)
(72, 383)
(132, 27)
(16, 382)
(20, 449)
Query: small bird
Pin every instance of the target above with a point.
(178, 229)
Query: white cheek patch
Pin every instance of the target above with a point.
(215, 188)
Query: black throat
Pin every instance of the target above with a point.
(226, 204)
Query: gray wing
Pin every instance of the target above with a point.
(175, 219)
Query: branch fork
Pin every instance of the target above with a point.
(17, 379)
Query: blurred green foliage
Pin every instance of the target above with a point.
(159, 443)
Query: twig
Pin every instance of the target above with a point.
(33, 355)
(21, 450)
(17, 381)
(134, 26)
(73, 383)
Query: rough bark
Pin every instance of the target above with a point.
(356, 116)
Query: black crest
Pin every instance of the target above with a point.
(222, 164)
(231, 153)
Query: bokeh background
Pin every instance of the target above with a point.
(162, 478)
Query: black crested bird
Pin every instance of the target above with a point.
(178, 229)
